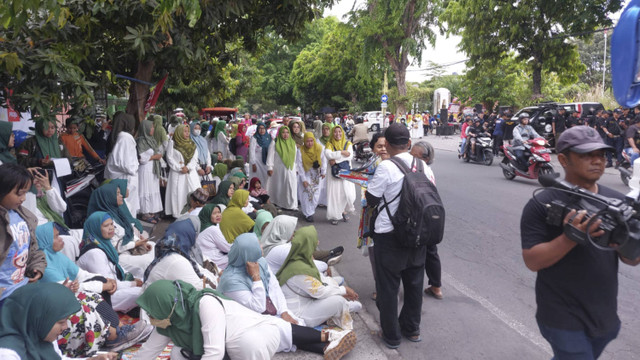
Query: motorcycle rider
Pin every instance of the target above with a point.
(472, 133)
(521, 134)
(359, 132)
(463, 135)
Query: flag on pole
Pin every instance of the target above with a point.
(153, 95)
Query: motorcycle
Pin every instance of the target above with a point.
(484, 150)
(539, 162)
(85, 179)
(363, 151)
(625, 168)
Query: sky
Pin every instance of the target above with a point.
(444, 52)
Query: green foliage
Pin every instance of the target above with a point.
(67, 47)
(531, 28)
(591, 54)
(399, 29)
(325, 73)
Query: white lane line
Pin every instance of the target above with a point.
(514, 324)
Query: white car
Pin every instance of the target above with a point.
(374, 120)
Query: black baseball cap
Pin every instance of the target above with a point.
(397, 134)
(581, 140)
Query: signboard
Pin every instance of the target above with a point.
(383, 105)
(454, 108)
(384, 98)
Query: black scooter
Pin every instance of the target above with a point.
(484, 150)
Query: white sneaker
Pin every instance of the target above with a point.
(340, 344)
(355, 306)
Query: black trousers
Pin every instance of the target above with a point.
(394, 263)
(432, 266)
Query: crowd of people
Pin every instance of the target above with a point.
(233, 273)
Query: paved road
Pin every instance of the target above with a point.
(489, 305)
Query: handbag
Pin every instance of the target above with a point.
(335, 168)
(209, 185)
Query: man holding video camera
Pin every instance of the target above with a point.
(576, 285)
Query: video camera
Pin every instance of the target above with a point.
(620, 218)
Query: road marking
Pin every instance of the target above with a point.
(514, 324)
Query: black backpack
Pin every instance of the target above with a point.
(420, 217)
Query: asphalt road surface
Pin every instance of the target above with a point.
(489, 302)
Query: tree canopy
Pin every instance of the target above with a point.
(534, 29)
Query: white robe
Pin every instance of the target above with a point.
(96, 261)
(134, 264)
(123, 164)
(214, 246)
(323, 184)
(282, 185)
(310, 196)
(341, 194)
(149, 185)
(417, 131)
(255, 158)
(223, 146)
(180, 185)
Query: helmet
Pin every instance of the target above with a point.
(523, 116)
(359, 120)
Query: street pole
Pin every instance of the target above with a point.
(385, 89)
(604, 61)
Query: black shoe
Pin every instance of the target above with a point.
(309, 218)
(337, 251)
(345, 218)
(608, 165)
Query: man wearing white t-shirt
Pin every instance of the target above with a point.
(394, 262)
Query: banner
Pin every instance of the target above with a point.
(153, 95)
(12, 114)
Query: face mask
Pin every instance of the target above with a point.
(196, 132)
(164, 323)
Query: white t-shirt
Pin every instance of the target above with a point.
(387, 181)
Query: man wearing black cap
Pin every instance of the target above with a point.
(394, 262)
(576, 285)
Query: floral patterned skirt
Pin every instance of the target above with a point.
(87, 330)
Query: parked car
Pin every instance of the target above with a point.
(585, 108)
(541, 115)
(374, 120)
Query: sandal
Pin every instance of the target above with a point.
(150, 219)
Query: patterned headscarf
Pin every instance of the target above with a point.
(183, 145)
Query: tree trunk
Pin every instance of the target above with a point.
(401, 76)
(139, 92)
(537, 81)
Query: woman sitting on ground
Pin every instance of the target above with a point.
(32, 318)
(204, 323)
(97, 316)
(211, 241)
(98, 256)
(263, 218)
(249, 281)
(310, 296)
(176, 256)
(224, 193)
(234, 220)
(127, 238)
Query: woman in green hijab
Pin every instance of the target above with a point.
(263, 218)
(311, 296)
(6, 142)
(32, 318)
(41, 149)
(204, 323)
(224, 193)
(149, 172)
(234, 220)
(219, 140)
(182, 158)
(282, 185)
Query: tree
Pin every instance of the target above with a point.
(398, 29)
(534, 29)
(325, 73)
(592, 55)
(77, 43)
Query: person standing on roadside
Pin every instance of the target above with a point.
(613, 131)
(576, 285)
(558, 124)
(424, 151)
(393, 261)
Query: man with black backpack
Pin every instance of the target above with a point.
(410, 217)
